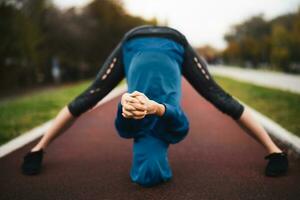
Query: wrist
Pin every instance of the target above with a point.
(160, 109)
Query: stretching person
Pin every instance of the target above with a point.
(152, 58)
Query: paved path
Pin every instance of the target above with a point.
(216, 161)
(265, 78)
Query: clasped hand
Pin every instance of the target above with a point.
(137, 105)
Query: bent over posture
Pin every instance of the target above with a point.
(152, 58)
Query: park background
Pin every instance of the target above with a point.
(49, 53)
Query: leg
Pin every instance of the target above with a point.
(110, 74)
(195, 71)
(254, 129)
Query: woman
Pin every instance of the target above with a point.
(153, 58)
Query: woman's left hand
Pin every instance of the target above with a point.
(151, 106)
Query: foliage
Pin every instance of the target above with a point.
(210, 54)
(33, 32)
(258, 42)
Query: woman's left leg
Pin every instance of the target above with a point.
(109, 75)
(196, 72)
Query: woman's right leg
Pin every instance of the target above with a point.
(196, 72)
(110, 74)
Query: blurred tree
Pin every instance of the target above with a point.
(34, 32)
(210, 54)
(295, 44)
(232, 53)
(18, 54)
(258, 42)
(280, 53)
(248, 37)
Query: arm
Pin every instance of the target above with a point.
(174, 123)
(174, 119)
(125, 126)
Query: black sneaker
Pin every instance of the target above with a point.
(277, 165)
(32, 163)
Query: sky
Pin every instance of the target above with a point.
(203, 22)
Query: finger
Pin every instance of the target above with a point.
(136, 93)
(138, 106)
(138, 113)
(127, 113)
(131, 99)
(123, 98)
(129, 107)
(139, 117)
(141, 99)
(125, 116)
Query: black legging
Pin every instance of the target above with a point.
(194, 70)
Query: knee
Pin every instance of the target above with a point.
(228, 105)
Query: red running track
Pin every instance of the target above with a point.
(216, 161)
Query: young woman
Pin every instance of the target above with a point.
(152, 58)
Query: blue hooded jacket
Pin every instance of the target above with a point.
(153, 67)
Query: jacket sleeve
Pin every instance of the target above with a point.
(109, 75)
(126, 127)
(195, 70)
(174, 124)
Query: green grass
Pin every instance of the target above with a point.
(24, 113)
(281, 106)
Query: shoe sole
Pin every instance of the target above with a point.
(276, 174)
(30, 173)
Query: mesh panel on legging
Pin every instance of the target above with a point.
(109, 75)
(195, 71)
